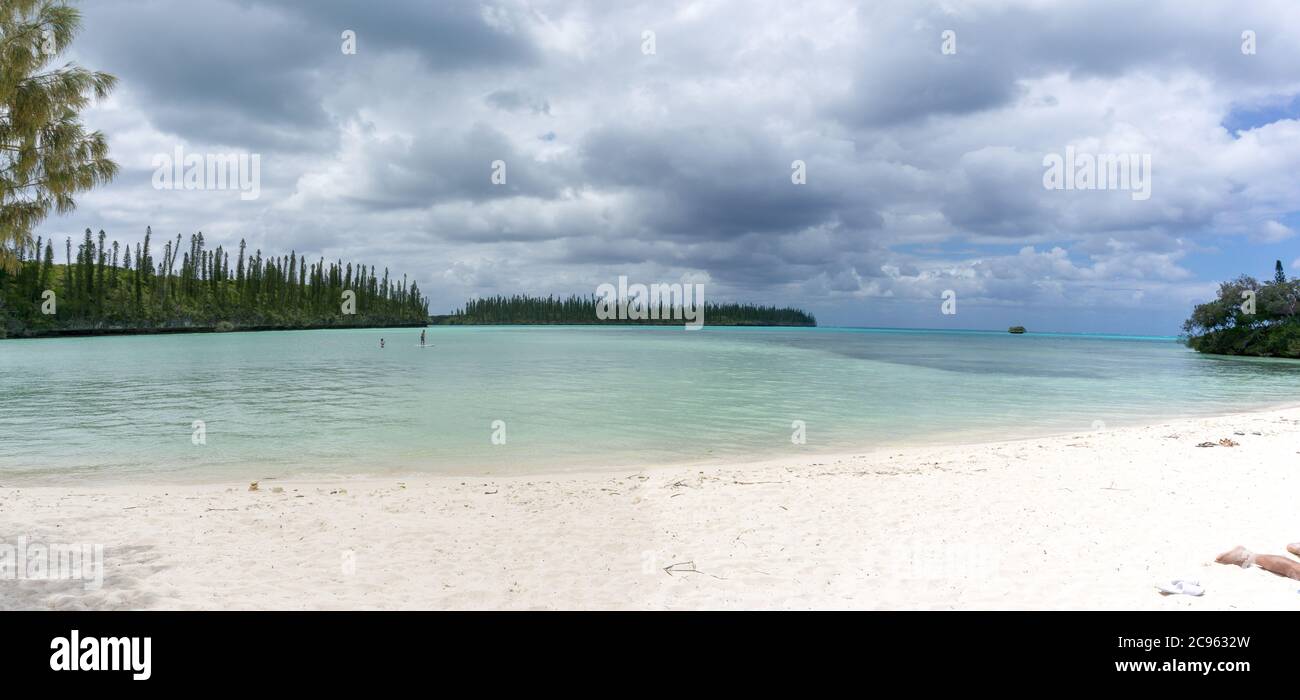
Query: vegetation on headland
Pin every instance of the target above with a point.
(1016, 330)
(1249, 318)
(114, 289)
(576, 310)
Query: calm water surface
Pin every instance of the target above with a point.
(330, 401)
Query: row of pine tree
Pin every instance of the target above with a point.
(103, 285)
(522, 309)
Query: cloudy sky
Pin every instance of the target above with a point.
(924, 166)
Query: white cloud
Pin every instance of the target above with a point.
(924, 169)
(1274, 232)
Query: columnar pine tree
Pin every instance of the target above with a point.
(108, 285)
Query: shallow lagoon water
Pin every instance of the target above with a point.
(573, 398)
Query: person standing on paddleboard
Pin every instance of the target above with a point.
(421, 338)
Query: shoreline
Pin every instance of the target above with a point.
(176, 330)
(432, 322)
(1086, 520)
(971, 439)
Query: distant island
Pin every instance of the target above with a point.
(1249, 318)
(576, 310)
(109, 289)
(1016, 329)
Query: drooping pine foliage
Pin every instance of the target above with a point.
(577, 310)
(1226, 325)
(106, 286)
(46, 155)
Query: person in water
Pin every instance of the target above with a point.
(421, 337)
(1272, 563)
(381, 343)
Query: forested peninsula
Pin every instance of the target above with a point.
(1249, 318)
(104, 288)
(576, 310)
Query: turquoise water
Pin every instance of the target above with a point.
(331, 401)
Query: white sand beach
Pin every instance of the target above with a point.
(1086, 521)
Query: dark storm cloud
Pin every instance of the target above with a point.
(915, 81)
(216, 72)
(515, 101)
(901, 75)
(254, 73)
(447, 34)
(436, 168)
(988, 195)
(707, 183)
